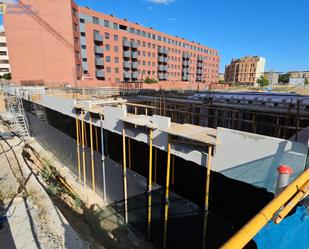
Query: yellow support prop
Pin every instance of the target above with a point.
(208, 177)
(168, 169)
(92, 156)
(244, 235)
(150, 182)
(83, 149)
(77, 147)
(125, 191)
(303, 192)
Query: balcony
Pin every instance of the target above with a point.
(126, 54)
(200, 58)
(199, 72)
(162, 50)
(126, 75)
(134, 45)
(126, 43)
(126, 64)
(162, 59)
(185, 71)
(97, 37)
(99, 73)
(199, 65)
(162, 68)
(98, 50)
(134, 76)
(99, 62)
(185, 78)
(134, 65)
(186, 63)
(186, 55)
(134, 55)
(162, 76)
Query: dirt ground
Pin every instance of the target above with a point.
(46, 203)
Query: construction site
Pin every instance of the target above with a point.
(111, 168)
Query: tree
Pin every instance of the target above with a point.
(284, 78)
(263, 81)
(306, 82)
(6, 76)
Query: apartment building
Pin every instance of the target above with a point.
(246, 70)
(77, 45)
(299, 74)
(4, 57)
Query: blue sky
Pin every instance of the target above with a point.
(277, 30)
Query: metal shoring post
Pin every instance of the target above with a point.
(168, 169)
(150, 182)
(83, 148)
(103, 160)
(78, 147)
(92, 156)
(125, 192)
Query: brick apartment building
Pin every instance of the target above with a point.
(246, 70)
(4, 57)
(62, 43)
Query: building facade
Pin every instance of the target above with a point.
(4, 56)
(77, 45)
(272, 77)
(299, 74)
(246, 70)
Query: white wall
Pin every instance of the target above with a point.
(255, 158)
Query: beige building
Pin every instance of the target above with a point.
(299, 74)
(246, 70)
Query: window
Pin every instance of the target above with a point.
(117, 80)
(149, 54)
(95, 20)
(132, 30)
(153, 46)
(148, 63)
(116, 59)
(144, 53)
(84, 46)
(149, 45)
(144, 33)
(116, 49)
(108, 59)
(83, 34)
(107, 47)
(84, 59)
(106, 35)
(106, 23)
(108, 70)
(116, 70)
(81, 20)
(123, 27)
(74, 12)
(115, 26)
(77, 54)
(144, 44)
(76, 40)
(144, 63)
(85, 72)
(75, 27)
(115, 37)
(138, 32)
